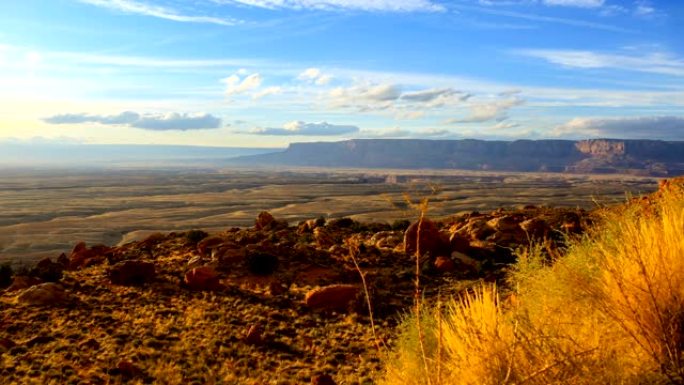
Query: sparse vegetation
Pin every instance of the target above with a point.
(609, 311)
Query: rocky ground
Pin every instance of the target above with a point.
(270, 304)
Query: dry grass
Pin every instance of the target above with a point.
(610, 311)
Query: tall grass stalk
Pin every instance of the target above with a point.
(610, 310)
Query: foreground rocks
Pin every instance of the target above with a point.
(247, 300)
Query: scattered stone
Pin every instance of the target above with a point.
(195, 261)
(254, 335)
(48, 271)
(131, 272)
(81, 256)
(205, 246)
(322, 379)
(444, 264)
(202, 278)
(430, 241)
(332, 297)
(264, 221)
(63, 260)
(44, 294)
(21, 282)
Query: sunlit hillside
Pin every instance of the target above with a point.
(610, 310)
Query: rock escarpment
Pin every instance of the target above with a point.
(644, 157)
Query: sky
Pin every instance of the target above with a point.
(265, 73)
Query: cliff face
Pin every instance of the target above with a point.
(596, 155)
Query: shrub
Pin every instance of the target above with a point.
(609, 311)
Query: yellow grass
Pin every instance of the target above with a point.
(609, 311)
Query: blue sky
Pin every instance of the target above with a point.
(264, 73)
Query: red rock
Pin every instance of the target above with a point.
(131, 272)
(264, 221)
(254, 335)
(21, 282)
(202, 278)
(79, 247)
(322, 379)
(333, 297)
(444, 264)
(430, 241)
(206, 245)
(44, 294)
(127, 369)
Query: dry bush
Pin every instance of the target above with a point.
(609, 311)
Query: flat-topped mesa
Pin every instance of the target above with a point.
(601, 147)
(644, 157)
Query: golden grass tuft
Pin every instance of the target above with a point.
(609, 311)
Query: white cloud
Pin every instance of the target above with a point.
(274, 90)
(307, 129)
(315, 76)
(140, 8)
(486, 111)
(366, 97)
(576, 3)
(643, 127)
(657, 62)
(331, 5)
(158, 122)
(236, 85)
(505, 125)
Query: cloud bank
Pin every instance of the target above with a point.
(644, 127)
(307, 129)
(155, 122)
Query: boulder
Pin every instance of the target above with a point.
(131, 272)
(202, 278)
(44, 294)
(332, 297)
(21, 282)
(47, 270)
(430, 240)
(206, 245)
(82, 256)
(264, 221)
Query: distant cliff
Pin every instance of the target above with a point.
(645, 157)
